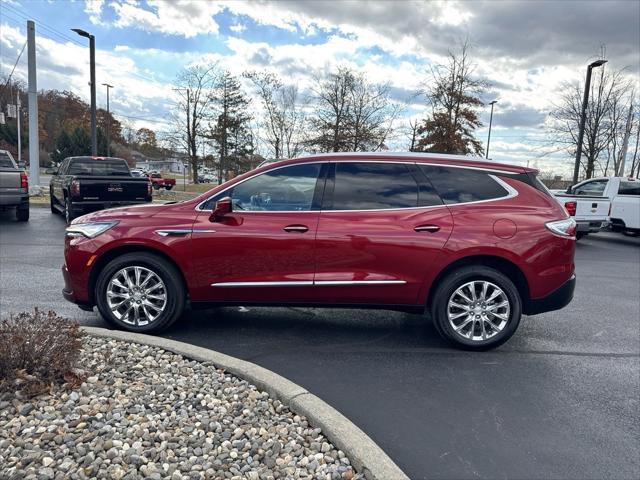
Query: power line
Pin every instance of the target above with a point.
(44, 25)
(14, 65)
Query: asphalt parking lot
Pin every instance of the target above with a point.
(560, 400)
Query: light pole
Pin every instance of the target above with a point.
(490, 122)
(583, 116)
(92, 66)
(108, 121)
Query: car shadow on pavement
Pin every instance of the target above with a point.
(253, 331)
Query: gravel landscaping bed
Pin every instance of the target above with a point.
(147, 413)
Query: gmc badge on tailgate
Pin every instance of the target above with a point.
(114, 187)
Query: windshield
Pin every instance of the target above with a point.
(99, 168)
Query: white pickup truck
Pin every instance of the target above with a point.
(612, 201)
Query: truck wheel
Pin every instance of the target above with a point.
(168, 187)
(156, 186)
(68, 211)
(476, 308)
(52, 203)
(140, 292)
(22, 213)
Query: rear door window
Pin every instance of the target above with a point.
(5, 161)
(374, 186)
(461, 185)
(629, 188)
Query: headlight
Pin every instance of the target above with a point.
(89, 230)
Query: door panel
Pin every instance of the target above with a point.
(246, 248)
(263, 251)
(381, 248)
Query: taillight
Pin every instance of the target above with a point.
(571, 207)
(564, 228)
(75, 187)
(149, 189)
(24, 180)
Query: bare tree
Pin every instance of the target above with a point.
(193, 110)
(605, 120)
(351, 113)
(635, 158)
(282, 119)
(453, 95)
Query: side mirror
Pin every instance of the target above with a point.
(570, 189)
(222, 208)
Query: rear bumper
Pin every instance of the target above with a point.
(98, 204)
(589, 227)
(12, 199)
(556, 300)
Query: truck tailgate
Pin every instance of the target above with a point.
(10, 179)
(112, 189)
(587, 208)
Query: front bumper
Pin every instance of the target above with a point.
(556, 300)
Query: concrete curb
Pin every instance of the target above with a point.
(367, 457)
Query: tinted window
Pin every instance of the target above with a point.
(595, 187)
(459, 185)
(99, 168)
(282, 189)
(5, 161)
(629, 188)
(367, 186)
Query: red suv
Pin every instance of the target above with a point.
(476, 244)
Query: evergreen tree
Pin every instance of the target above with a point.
(230, 132)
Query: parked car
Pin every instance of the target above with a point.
(158, 182)
(139, 173)
(85, 184)
(475, 244)
(585, 203)
(14, 186)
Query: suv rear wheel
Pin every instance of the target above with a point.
(140, 292)
(476, 307)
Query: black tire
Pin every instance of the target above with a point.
(631, 233)
(52, 204)
(22, 213)
(68, 211)
(580, 235)
(168, 187)
(156, 186)
(174, 287)
(455, 280)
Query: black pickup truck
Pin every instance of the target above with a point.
(85, 184)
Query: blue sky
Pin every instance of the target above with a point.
(526, 50)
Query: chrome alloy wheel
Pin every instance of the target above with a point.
(136, 295)
(478, 310)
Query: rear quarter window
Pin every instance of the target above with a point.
(460, 185)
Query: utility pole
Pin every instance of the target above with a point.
(189, 132)
(490, 122)
(583, 117)
(34, 144)
(18, 126)
(108, 121)
(625, 143)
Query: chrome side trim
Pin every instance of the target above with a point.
(328, 283)
(308, 283)
(173, 233)
(203, 230)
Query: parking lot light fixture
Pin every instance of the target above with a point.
(583, 116)
(92, 66)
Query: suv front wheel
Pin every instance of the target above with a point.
(140, 292)
(476, 308)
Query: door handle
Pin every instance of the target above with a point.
(427, 228)
(296, 228)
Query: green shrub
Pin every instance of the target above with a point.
(38, 349)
